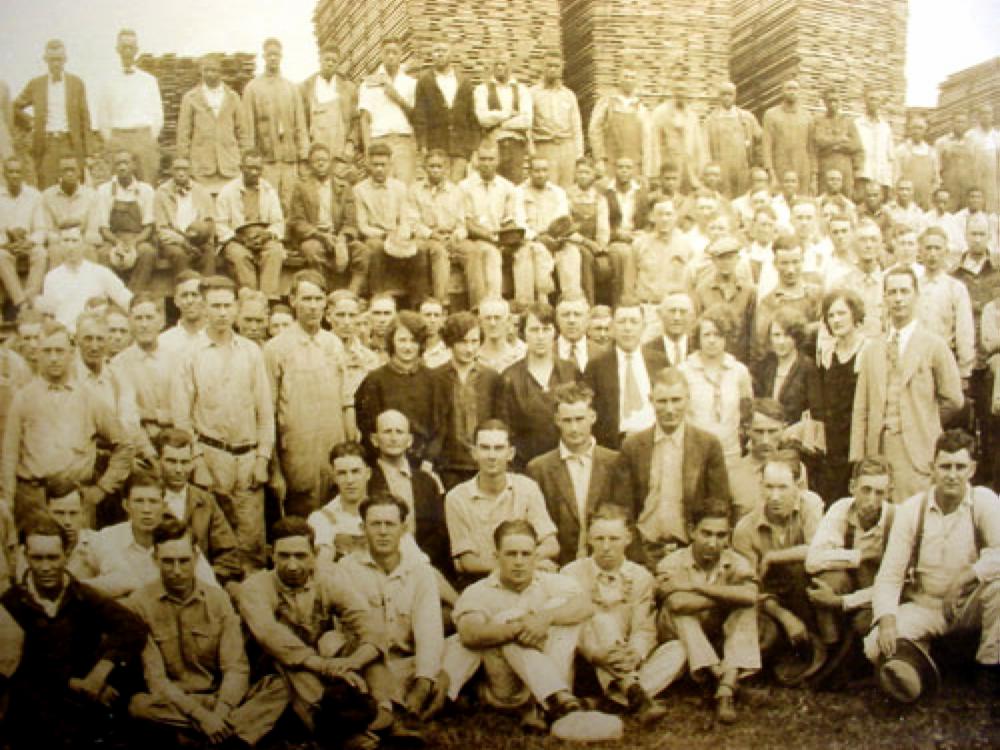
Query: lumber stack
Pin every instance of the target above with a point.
(852, 44)
(964, 91)
(178, 75)
(527, 29)
(664, 40)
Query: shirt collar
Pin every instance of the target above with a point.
(965, 503)
(478, 494)
(49, 606)
(161, 593)
(762, 521)
(403, 468)
(676, 437)
(282, 588)
(566, 454)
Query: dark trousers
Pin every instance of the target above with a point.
(510, 162)
(410, 276)
(47, 163)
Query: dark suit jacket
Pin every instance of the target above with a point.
(454, 130)
(657, 346)
(549, 471)
(213, 534)
(36, 96)
(428, 505)
(447, 450)
(303, 214)
(799, 392)
(602, 377)
(703, 475)
(640, 219)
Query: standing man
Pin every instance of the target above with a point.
(835, 143)
(984, 138)
(385, 100)
(954, 153)
(330, 104)
(619, 127)
(505, 112)
(60, 116)
(678, 139)
(211, 129)
(908, 384)
(277, 123)
(876, 142)
(221, 394)
(313, 408)
(130, 111)
(125, 222)
(184, 212)
(733, 139)
(22, 234)
(629, 206)
(786, 138)
(557, 130)
(916, 160)
(444, 113)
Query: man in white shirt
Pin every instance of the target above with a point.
(68, 287)
(876, 141)
(557, 130)
(940, 574)
(386, 101)
(130, 112)
(22, 233)
(572, 318)
(504, 110)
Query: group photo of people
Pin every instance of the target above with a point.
(369, 407)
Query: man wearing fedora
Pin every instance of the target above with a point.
(940, 575)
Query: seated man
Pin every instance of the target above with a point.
(843, 558)
(185, 221)
(385, 224)
(619, 640)
(767, 425)
(250, 225)
(711, 591)
(522, 626)
(939, 574)
(601, 269)
(195, 662)
(543, 210)
(474, 509)
(323, 223)
(402, 591)
(123, 554)
(307, 643)
(22, 230)
(68, 651)
(125, 222)
(775, 539)
(658, 259)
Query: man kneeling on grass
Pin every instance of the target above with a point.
(710, 591)
(522, 626)
(620, 638)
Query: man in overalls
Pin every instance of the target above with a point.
(331, 106)
(619, 126)
(592, 232)
(126, 224)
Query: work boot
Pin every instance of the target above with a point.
(646, 710)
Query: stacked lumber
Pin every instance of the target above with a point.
(851, 44)
(964, 91)
(664, 40)
(527, 29)
(178, 75)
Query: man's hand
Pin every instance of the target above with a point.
(334, 668)
(623, 659)
(417, 695)
(535, 630)
(98, 692)
(669, 583)
(821, 595)
(887, 636)
(212, 726)
(260, 471)
(958, 591)
(439, 694)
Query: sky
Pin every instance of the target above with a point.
(945, 36)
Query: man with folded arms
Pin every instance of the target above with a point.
(184, 212)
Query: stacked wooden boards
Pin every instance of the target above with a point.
(477, 29)
(851, 44)
(964, 91)
(178, 75)
(663, 40)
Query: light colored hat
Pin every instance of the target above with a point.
(122, 258)
(588, 726)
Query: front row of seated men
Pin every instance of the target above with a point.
(356, 645)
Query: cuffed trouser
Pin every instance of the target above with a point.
(354, 276)
(483, 271)
(664, 664)
(618, 252)
(144, 149)
(533, 265)
(245, 266)
(513, 673)
(251, 720)
(740, 649)
(403, 163)
(923, 621)
(439, 260)
(141, 274)
(414, 273)
(907, 478)
(37, 266)
(282, 176)
(181, 258)
(560, 153)
(232, 476)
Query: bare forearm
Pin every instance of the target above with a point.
(744, 595)
(487, 634)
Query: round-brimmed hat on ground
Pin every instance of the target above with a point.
(798, 662)
(910, 673)
(588, 726)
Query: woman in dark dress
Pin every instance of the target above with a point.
(837, 356)
(786, 374)
(526, 401)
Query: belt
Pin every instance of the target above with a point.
(138, 129)
(61, 135)
(221, 445)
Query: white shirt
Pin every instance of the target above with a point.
(324, 90)
(55, 118)
(386, 116)
(626, 202)
(176, 502)
(24, 212)
(130, 101)
(644, 417)
(68, 289)
(214, 97)
(175, 340)
(905, 334)
(186, 212)
(447, 82)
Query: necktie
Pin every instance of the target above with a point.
(578, 354)
(633, 399)
(894, 350)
